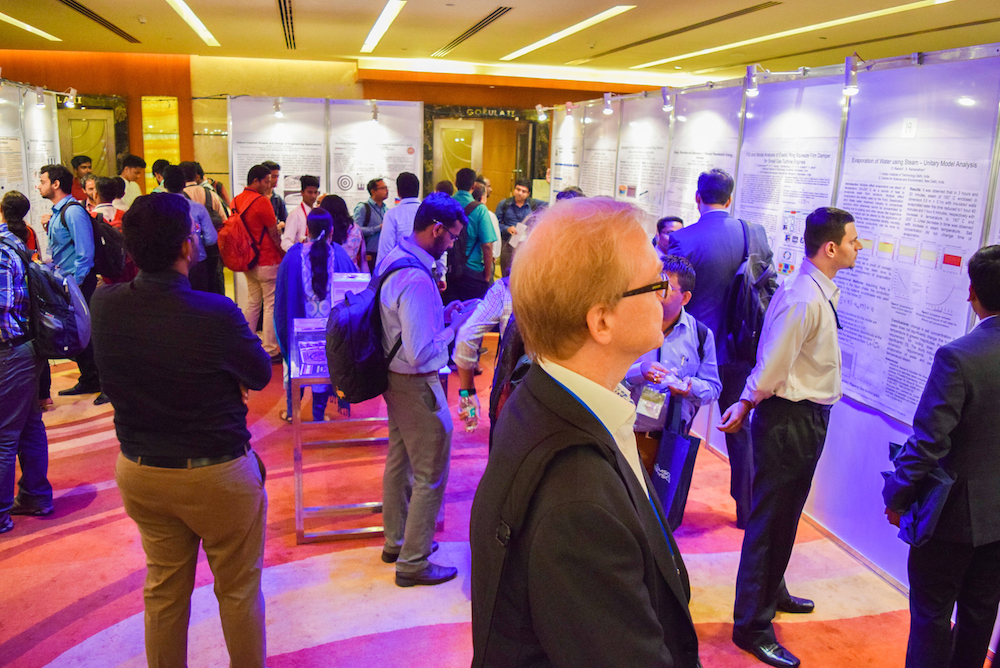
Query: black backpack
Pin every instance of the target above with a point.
(58, 313)
(359, 368)
(109, 244)
(747, 298)
(458, 258)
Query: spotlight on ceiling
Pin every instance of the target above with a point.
(542, 116)
(750, 83)
(71, 99)
(607, 105)
(277, 108)
(851, 76)
(39, 97)
(668, 98)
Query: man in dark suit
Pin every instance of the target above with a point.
(955, 428)
(572, 563)
(714, 247)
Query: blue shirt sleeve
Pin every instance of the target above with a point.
(209, 235)
(81, 230)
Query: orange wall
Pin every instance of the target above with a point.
(128, 75)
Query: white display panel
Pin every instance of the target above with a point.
(994, 231)
(567, 149)
(915, 177)
(788, 161)
(643, 149)
(296, 141)
(41, 138)
(706, 136)
(12, 165)
(362, 149)
(600, 150)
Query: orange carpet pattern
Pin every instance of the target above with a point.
(72, 593)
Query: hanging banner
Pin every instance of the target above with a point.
(788, 161)
(643, 145)
(706, 136)
(296, 140)
(915, 177)
(365, 145)
(41, 139)
(600, 150)
(567, 149)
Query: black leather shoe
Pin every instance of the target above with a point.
(796, 605)
(79, 389)
(431, 575)
(101, 399)
(34, 511)
(391, 557)
(770, 653)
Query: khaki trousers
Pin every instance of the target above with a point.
(223, 507)
(261, 285)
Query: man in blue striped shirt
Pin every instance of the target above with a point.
(22, 434)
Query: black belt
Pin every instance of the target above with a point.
(185, 462)
(15, 342)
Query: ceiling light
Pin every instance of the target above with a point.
(851, 76)
(277, 108)
(39, 97)
(24, 26)
(607, 105)
(542, 116)
(583, 25)
(966, 101)
(750, 82)
(668, 99)
(71, 99)
(385, 19)
(192, 20)
(797, 31)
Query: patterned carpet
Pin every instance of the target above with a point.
(72, 593)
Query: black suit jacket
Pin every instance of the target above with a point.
(589, 576)
(714, 247)
(955, 425)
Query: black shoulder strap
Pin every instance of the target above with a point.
(746, 240)
(62, 217)
(368, 212)
(472, 206)
(263, 232)
(401, 263)
(25, 258)
(702, 335)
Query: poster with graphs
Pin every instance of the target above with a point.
(916, 178)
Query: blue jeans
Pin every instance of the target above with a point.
(22, 433)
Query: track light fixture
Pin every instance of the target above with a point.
(750, 82)
(71, 99)
(542, 116)
(668, 96)
(39, 97)
(277, 108)
(851, 76)
(607, 105)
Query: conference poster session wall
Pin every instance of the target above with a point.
(600, 150)
(643, 151)
(567, 149)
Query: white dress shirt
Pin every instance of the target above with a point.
(132, 191)
(398, 224)
(614, 411)
(799, 353)
(494, 309)
(411, 308)
(295, 227)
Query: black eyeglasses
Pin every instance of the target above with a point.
(454, 237)
(661, 288)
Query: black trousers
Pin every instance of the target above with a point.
(738, 445)
(942, 574)
(788, 439)
(89, 377)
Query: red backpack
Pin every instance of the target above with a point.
(237, 248)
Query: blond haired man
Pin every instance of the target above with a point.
(563, 523)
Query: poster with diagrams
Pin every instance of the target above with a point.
(367, 144)
(41, 147)
(567, 149)
(916, 179)
(706, 136)
(296, 140)
(643, 149)
(600, 150)
(788, 161)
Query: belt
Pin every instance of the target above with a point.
(15, 342)
(185, 462)
(418, 375)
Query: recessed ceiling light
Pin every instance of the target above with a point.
(573, 29)
(797, 31)
(966, 101)
(24, 26)
(192, 20)
(385, 19)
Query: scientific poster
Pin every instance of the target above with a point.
(788, 161)
(600, 150)
(296, 141)
(41, 137)
(362, 148)
(643, 144)
(915, 177)
(12, 164)
(567, 149)
(706, 136)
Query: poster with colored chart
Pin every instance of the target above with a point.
(567, 149)
(600, 150)
(643, 149)
(916, 178)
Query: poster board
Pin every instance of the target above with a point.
(600, 150)
(296, 141)
(643, 150)
(788, 161)
(915, 177)
(567, 149)
(41, 147)
(362, 148)
(705, 136)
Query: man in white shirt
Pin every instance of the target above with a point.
(397, 224)
(133, 168)
(792, 387)
(296, 230)
(413, 324)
